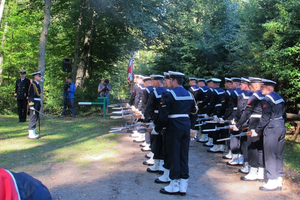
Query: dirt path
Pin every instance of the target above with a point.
(125, 177)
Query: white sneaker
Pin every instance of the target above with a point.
(214, 149)
(245, 168)
(271, 185)
(172, 188)
(234, 161)
(228, 156)
(164, 178)
(203, 139)
(183, 186)
(241, 159)
(251, 176)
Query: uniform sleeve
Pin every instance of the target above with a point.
(265, 117)
(193, 115)
(240, 108)
(164, 111)
(144, 101)
(205, 99)
(31, 95)
(149, 107)
(137, 97)
(212, 103)
(229, 108)
(253, 101)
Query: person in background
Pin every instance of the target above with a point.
(69, 91)
(21, 95)
(103, 89)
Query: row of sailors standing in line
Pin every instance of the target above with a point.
(244, 100)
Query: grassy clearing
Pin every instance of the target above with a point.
(79, 140)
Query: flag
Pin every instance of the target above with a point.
(130, 70)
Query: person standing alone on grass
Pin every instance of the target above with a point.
(68, 94)
(103, 89)
(21, 95)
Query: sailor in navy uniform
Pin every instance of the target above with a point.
(208, 141)
(139, 94)
(239, 145)
(176, 106)
(133, 91)
(201, 94)
(193, 86)
(272, 126)
(226, 109)
(146, 92)
(34, 102)
(217, 99)
(152, 113)
(252, 113)
(21, 95)
(232, 108)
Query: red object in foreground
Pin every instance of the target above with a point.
(8, 186)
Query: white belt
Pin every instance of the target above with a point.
(235, 108)
(178, 115)
(155, 111)
(218, 105)
(255, 116)
(140, 101)
(37, 99)
(199, 102)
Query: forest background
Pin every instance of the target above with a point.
(201, 38)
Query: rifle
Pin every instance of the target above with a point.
(216, 129)
(233, 136)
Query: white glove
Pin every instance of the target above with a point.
(205, 116)
(153, 132)
(253, 133)
(234, 128)
(233, 122)
(143, 117)
(221, 120)
(216, 119)
(31, 108)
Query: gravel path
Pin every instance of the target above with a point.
(125, 177)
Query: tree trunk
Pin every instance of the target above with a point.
(1, 55)
(42, 47)
(1, 9)
(76, 56)
(3, 38)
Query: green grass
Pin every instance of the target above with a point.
(78, 140)
(292, 154)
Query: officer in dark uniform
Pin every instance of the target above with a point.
(238, 145)
(271, 125)
(252, 113)
(176, 106)
(21, 95)
(146, 93)
(34, 102)
(152, 112)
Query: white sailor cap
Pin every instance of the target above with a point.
(255, 80)
(228, 80)
(136, 75)
(156, 77)
(235, 79)
(208, 80)
(201, 79)
(22, 71)
(146, 78)
(36, 73)
(176, 74)
(167, 75)
(245, 80)
(216, 80)
(192, 78)
(141, 76)
(268, 82)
